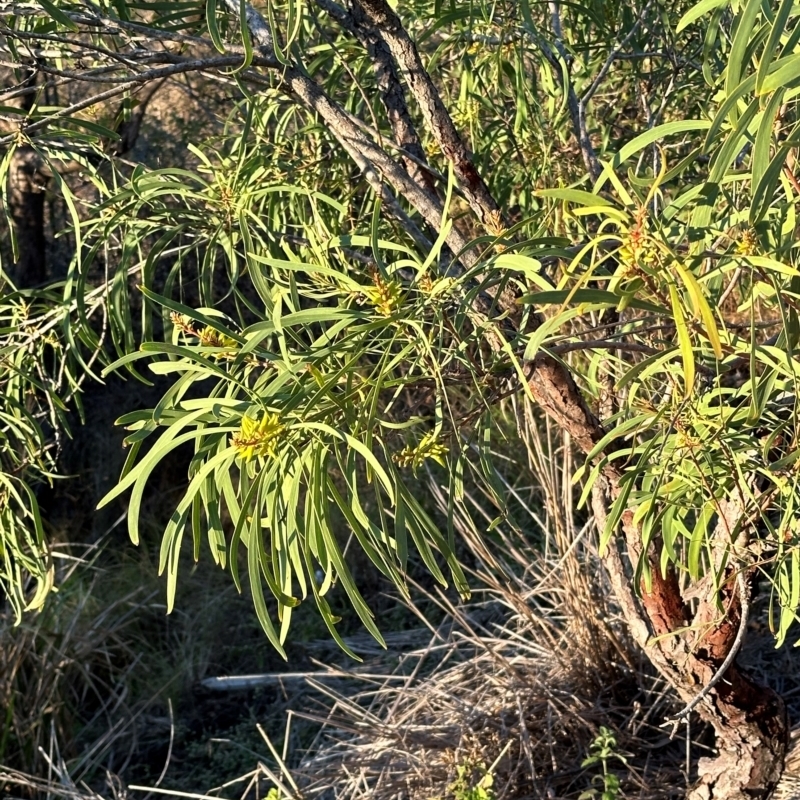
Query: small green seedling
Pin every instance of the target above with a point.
(602, 750)
(465, 787)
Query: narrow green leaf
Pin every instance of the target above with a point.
(57, 14)
(254, 547)
(736, 67)
(213, 28)
(701, 307)
(763, 192)
(246, 41)
(782, 74)
(763, 144)
(776, 31)
(697, 11)
(598, 297)
(685, 342)
(577, 196)
(647, 138)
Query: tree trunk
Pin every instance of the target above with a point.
(751, 736)
(687, 648)
(26, 184)
(749, 719)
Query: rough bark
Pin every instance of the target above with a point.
(437, 118)
(27, 182)
(391, 89)
(750, 720)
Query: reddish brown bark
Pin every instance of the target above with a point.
(437, 118)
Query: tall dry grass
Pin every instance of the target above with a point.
(65, 673)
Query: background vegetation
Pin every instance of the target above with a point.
(347, 276)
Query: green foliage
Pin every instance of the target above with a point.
(602, 751)
(293, 425)
(38, 378)
(318, 357)
(473, 782)
(702, 273)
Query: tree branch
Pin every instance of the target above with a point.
(391, 88)
(437, 118)
(123, 86)
(369, 158)
(560, 63)
(602, 344)
(612, 56)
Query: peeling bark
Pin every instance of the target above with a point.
(391, 88)
(437, 118)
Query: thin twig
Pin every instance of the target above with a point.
(612, 56)
(744, 603)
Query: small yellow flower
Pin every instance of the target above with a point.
(747, 244)
(210, 337)
(684, 441)
(493, 222)
(386, 296)
(258, 437)
(184, 323)
(428, 448)
(638, 250)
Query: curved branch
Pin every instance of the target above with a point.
(744, 614)
(391, 88)
(436, 116)
(368, 156)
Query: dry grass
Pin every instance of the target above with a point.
(63, 677)
(493, 691)
(56, 783)
(517, 683)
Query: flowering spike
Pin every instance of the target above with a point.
(428, 448)
(258, 437)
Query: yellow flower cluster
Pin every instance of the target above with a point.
(638, 249)
(493, 222)
(208, 336)
(747, 244)
(466, 113)
(431, 148)
(258, 437)
(428, 448)
(386, 296)
(685, 441)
